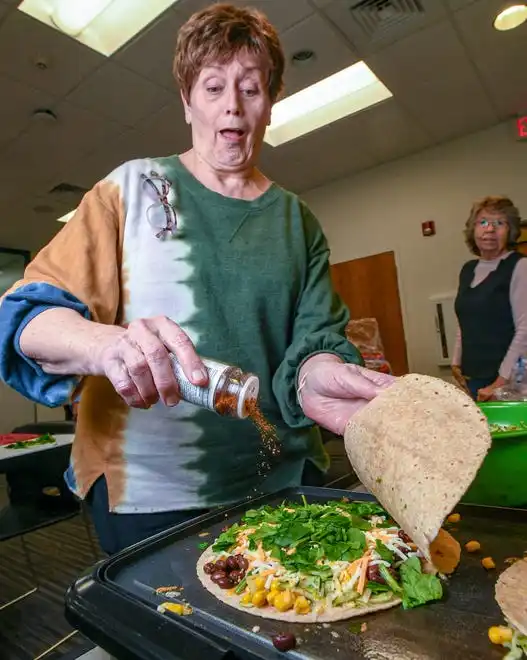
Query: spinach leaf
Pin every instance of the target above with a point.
(384, 552)
(227, 539)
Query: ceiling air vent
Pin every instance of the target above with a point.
(68, 189)
(376, 17)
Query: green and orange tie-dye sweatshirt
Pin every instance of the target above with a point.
(249, 283)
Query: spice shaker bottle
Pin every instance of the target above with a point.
(228, 392)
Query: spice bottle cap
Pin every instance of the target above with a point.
(249, 390)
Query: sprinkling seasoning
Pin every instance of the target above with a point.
(231, 392)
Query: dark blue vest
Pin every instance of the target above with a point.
(485, 317)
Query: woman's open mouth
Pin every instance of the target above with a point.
(232, 134)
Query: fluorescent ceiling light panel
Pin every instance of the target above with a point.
(104, 25)
(67, 216)
(344, 93)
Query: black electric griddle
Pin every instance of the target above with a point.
(115, 604)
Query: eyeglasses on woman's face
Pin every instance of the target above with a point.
(495, 223)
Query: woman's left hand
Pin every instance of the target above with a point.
(487, 393)
(330, 392)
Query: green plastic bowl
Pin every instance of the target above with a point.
(502, 478)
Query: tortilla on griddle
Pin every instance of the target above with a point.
(330, 614)
(417, 447)
(511, 595)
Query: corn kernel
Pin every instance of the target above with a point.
(488, 563)
(259, 583)
(247, 598)
(500, 634)
(275, 585)
(259, 598)
(283, 601)
(175, 608)
(302, 605)
(473, 546)
(271, 596)
(454, 518)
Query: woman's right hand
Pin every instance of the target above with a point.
(459, 378)
(137, 362)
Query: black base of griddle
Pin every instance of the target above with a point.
(114, 604)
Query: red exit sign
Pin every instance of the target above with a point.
(521, 128)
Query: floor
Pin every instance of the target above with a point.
(35, 624)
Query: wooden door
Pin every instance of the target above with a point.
(522, 247)
(370, 289)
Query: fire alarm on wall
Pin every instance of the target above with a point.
(429, 228)
(521, 128)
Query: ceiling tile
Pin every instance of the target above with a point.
(312, 34)
(120, 94)
(458, 4)
(152, 52)
(368, 33)
(167, 129)
(439, 80)
(45, 149)
(26, 229)
(321, 156)
(25, 41)
(282, 13)
(19, 102)
(392, 132)
(498, 56)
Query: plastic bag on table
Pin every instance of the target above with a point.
(365, 335)
(516, 388)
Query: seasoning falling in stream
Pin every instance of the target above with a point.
(226, 403)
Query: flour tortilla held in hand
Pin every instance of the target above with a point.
(417, 447)
(329, 614)
(511, 594)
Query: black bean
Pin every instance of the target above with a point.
(232, 564)
(404, 536)
(374, 574)
(243, 563)
(209, 568)
(221, 565)
(225, 583)
(236, 576)
(218, 575)
(284, 641)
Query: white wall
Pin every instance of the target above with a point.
(382, 209)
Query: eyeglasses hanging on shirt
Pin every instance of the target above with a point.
(161, 215)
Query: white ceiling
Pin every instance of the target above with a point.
(450, 72)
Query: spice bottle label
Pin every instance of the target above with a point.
(199, 396)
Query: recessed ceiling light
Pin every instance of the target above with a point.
(104, 25)
(511, 17)
(302, 56)
(67, 216)
(344, 93)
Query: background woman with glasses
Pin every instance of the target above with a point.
(491, 304)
